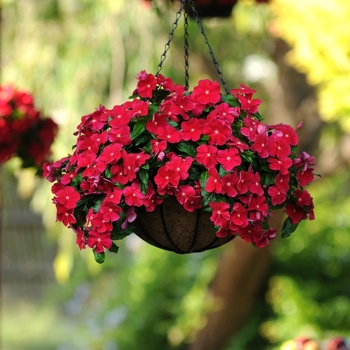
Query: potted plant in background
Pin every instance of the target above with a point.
(185, 171)
(24, 131)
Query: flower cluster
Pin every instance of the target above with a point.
(210, 151)
(23, 130)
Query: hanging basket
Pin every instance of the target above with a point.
(171, 227)
(213, 8)
(185, 170)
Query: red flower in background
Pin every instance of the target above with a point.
(24, 132)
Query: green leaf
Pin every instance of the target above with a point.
(173, 123)
(114, 248)
(288, 228)
(223, 172)
(138, 129)
(96, 206)
(248, 156)
(204, 178)
(270, 179)
(144, 177)
(108, 173)
(231, 100)
(143, 139)
(187, 148)
(99, 257)
(153, 108)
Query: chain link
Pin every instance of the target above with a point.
(170, 38)
(186, 45)
(216, 64)
(187, 65)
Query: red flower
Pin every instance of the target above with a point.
(261, 145)
(81, 241)
(255, 186)
(224, 113)
(218, 132)
(229, 158)
(158, 121)
(110, 211)
(251, 233)
(166, 177)
(239, 215)
(214, 181)
(280, 165)
(111, 153)
(257, 208)
(250, 128)
(305, 177)
(99, 241)
(137, 108)
(191, 130)
(207, 92)
(282, 182)
(206, 155)
(228, 184)
(179, 165)
(289, 134)
(243, 91)
(184, 192)
(119, 133)
(169, 133)
(68, 197)
(279, 147)
(220, 212)
(277, 196)
(133, 195)
(295, 212)
(65, 216)
(88, 144)
(245, 179)
(249, 105)
(146, 85)
(158, 146)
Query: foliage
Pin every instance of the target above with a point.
(310, 297)
(320, 49)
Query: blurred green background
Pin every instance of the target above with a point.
(77, 54)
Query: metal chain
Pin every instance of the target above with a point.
(171, 36)
(186, 45)
(216, 64)
(187, 66)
